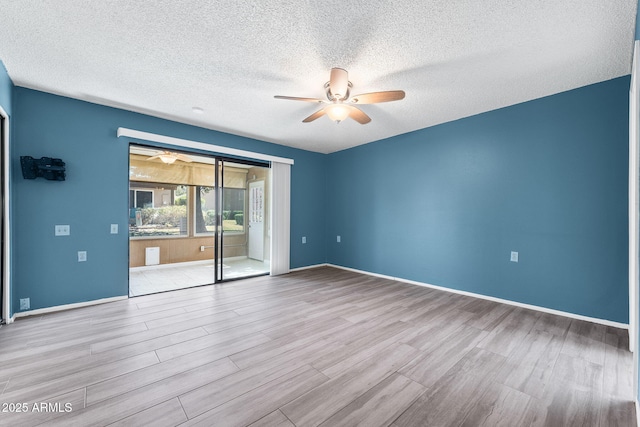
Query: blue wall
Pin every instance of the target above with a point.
(446, 205)
(95, 195)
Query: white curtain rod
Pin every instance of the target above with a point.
(179, 142)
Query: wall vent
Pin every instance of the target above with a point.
(152, 256)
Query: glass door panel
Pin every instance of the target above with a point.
(244, 228)
(172, 220)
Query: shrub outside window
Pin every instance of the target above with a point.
(232, 212)
(158, 210)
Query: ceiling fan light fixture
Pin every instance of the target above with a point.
(337, 112)
(169, 157)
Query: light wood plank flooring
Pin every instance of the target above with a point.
(320, 347)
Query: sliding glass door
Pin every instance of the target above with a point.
(244, 235)
(189, 220)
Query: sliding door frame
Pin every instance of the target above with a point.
(217, 233)
(280, 180)
(5, 229)
(634, 211)
(220, 163)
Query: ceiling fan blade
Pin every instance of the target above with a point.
(375, 97)
(339, 83)
(157, 156)
(314, 116)
(183, 157)
(294, 98)
(358, 115)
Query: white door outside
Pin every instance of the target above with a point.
(256, 220)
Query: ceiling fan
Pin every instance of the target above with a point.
(170, 157)
(340, 106)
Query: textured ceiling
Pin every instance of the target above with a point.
(453, 58)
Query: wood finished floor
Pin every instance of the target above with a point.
(318, 347)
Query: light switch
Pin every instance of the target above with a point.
(304, 239)
(82, 256)
(114, 228)
(338, 239)
(514, 256)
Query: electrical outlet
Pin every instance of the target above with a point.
(25, 303)
(62, 230)
(338, 239)
(114, 228)
(304, 239)
(82, 256)
(514, 256)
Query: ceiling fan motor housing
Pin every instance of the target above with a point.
(332, 97)
(338, 84)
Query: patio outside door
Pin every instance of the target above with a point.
(256, 220)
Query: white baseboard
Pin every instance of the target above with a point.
(64, 307)
(486, 297)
